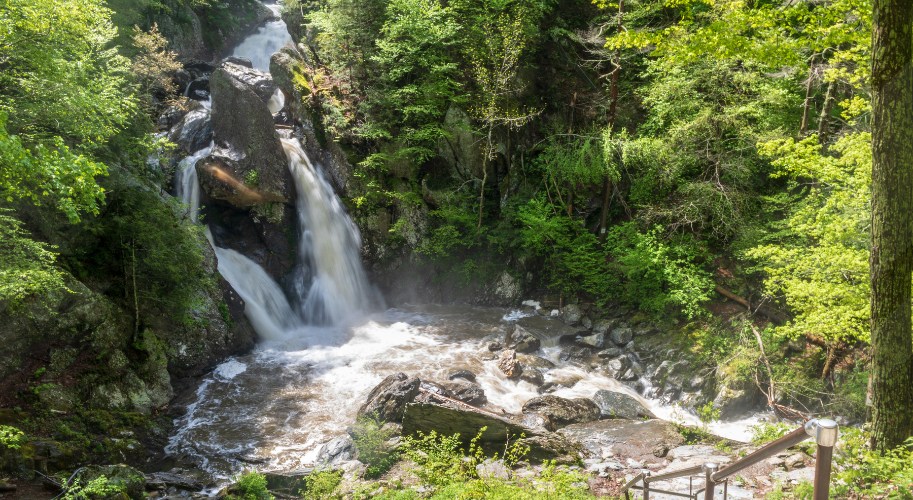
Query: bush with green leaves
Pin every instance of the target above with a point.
(97, 488)
(372, 446)
(27, 267)
(863, 473)
(322, 484)
(250, 485)
(11, 438)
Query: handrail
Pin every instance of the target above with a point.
(824, 431)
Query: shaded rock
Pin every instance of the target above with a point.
(286, 483)
(194, 131)
(448, 421)
(467, 392)
(549, 331)
(240, 61)
(575, 354)
(618, 366)
(794, 461)
(532, 375)
(462, 374)
(161, 480)
(507, 363)
(247, 166)
(597, 340)
(619, 405)
(603, 325)
(522, 341)
(199, 89)
(561, 411)
(388, 400)
(571, 314)
(621, 336)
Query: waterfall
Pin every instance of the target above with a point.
(188, 186)
(329, 246)
(260, 47)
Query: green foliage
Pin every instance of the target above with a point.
(61, 78)
(660, 273)
(49, 174)
(251, 485)
(11, 438)
(371, 446)
(97, 488)
(153, 64)
(583, 159)
(818, 261)
(27, 267)
(708, 412)
(322, 484)
(766, 432)
(862, 473)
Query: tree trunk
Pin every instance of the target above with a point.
(824, 118)
(807, 104)
(891, 259)
(604, 214)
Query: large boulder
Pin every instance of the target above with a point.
(619, 405)
(447, 421)
(522, 341)
(248, 166)
(561, 411)
(388, 400)
(261, 83)
(467, 392)
(508, 364)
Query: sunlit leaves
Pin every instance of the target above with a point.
(26, 266)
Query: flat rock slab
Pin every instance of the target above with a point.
(630, 439)
(445, 420)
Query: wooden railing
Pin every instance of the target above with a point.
(823, 430)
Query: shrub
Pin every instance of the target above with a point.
(371, 446)
(251, 486)
(322, 484)
(11, 438)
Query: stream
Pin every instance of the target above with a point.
(325, 344)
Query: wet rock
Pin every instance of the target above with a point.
(388, 400)
(621, 336)
(162, 480)
(571, 314)
(240, 61)
(462, 374)
(597, 340)
(522, 341)
(262, 83)
(194, 131)
(619, 405)
(340, 449)
(248, 166)
(611, 352)
(170, 117)
(537, 362)
(561, 411)
(507, 363)
(586, 322)
(548, 330)
(199, 89)
(467, 392)
(499, 430)
(286, 66)
(575, 354)
(495, 346)
(532, 375)
(618, 366)
(129, 480)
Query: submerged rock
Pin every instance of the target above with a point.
(467, 392)
(619, 405)
(194, 131)
(561, 411)
(639, 440)
(388, 400)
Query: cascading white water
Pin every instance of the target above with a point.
(330, 246)
(304, 383)
(188, 185)
(260, 47)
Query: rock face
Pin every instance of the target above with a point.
(522, 341)
(467, 392)
(618, 405)
(561, 412)
(447, 421)
(247, 167)
(639, 440)
(388, 400)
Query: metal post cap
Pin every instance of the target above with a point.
(827, 432)
(710, 466)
